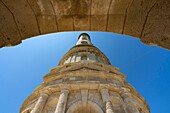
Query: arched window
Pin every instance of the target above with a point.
(90, 107)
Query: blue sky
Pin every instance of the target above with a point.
(22, 66)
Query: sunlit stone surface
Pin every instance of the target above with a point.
(84, 82)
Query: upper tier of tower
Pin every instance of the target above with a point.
(84, 51)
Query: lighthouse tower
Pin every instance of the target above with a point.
(84, 82)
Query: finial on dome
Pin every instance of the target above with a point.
(84, 39)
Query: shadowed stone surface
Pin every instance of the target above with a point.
(147, 20)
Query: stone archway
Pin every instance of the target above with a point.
(81, 107)
(144, 19)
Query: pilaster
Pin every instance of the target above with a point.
(130, 107)
(61, 105)
(40, 103)
(107, 100)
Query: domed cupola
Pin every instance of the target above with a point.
(84, 51)
(84, 39)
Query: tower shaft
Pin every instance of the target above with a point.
(84, 82)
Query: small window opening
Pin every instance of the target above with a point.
(84, 57)
(84, 42)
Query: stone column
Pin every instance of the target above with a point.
(106, 99)
(130, 107)
(62, 101)
(40, 103)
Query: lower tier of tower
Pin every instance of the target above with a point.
(85, 88)
(86, 101)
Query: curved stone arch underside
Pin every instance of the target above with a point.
(144, 19)
(81, 107)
